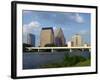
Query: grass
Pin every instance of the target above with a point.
(85, 63)
(69, 61)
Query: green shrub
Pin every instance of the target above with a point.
(68, 61)
(72, 60)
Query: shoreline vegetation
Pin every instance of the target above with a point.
(35, 60)
(69, 61)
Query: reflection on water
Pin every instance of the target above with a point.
(33, 60)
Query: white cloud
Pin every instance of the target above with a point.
(84, 32)
(33, 28)
(34, 24)
(28, 28)
(77, 18)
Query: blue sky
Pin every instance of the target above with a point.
(71, 23)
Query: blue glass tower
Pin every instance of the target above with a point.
(32, 39)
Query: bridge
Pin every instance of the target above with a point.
(52, 49)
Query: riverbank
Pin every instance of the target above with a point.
(69, 61)
(39, 60)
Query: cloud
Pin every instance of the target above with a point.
(77, 18)
(29, 28)
(84, 32)
(52, 17)
(33, 28)
(61, 17)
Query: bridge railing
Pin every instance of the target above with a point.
(52, 49)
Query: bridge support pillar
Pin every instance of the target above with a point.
(38, 50)
(82, 50)
(51, 50)
(89, 50)
(70, 50)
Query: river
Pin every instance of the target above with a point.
(33, 60)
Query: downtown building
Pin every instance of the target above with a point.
(29, 39)
(46, 36)
(69, 44)
(77, 40)
(59, 38)
(32, 40)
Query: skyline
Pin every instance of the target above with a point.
(71, 23)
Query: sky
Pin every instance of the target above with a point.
(70, 22)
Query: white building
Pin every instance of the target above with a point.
(77, 40)
(85, 45)
(69, 44)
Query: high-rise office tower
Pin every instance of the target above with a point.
(26, 38)
(32, 39)
(29, 39)
(77, 40)
(59, 37)
(46, 36)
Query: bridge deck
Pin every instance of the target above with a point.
(58, 47)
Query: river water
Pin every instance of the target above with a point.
(33, 60)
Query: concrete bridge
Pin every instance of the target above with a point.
(52, 49)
